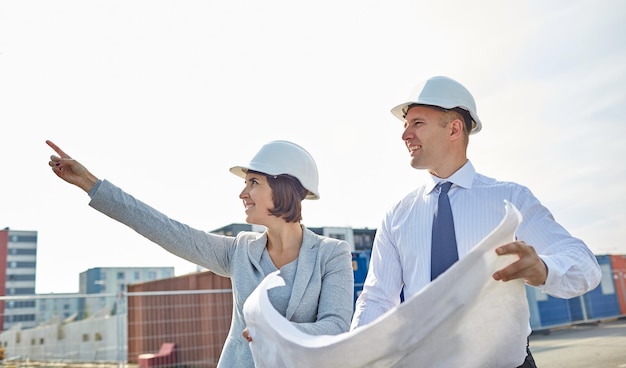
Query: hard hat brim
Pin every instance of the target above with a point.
(242, 171)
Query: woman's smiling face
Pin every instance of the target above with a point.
(257, 199)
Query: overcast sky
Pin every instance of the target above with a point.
(162, 97)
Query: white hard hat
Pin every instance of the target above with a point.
(443, 92)
(284, 157)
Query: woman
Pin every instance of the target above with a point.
(318, 295)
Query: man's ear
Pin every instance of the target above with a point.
(456, 129)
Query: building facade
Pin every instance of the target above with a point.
(112, 280)
(99, 284)
(18, 264)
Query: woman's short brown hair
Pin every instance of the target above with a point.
(287, 195)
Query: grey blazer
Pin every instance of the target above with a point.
(321, 301)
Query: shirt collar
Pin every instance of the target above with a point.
(463, 178)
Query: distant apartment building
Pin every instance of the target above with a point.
(57, 307)
(18, 264)
(102, 280)
(114, 280)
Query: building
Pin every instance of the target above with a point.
(102, 280)
(18, 264)
(57, 307)
(107, 282)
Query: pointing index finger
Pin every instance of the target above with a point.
(56, 149)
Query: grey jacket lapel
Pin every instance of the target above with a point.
(255, 250)
(307, 262)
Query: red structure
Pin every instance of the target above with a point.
(618, 264)
(197, 323)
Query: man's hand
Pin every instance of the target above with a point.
(529, 266)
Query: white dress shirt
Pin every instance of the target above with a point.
(400, 257)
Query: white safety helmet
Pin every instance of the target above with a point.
(443, 92)
(284, 157)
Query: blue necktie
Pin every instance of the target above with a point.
(443, 247)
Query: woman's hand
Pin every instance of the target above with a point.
(246, 335)
(70, 170)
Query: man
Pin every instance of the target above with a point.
(437, 125)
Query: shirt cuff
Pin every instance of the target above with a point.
(552, 279)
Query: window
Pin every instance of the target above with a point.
(21, 277)
(23, 264)
(337, 236)
(16, 251)
(23, 304)
(607, 285)
(23, 239)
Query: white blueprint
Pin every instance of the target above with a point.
(462, 319)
